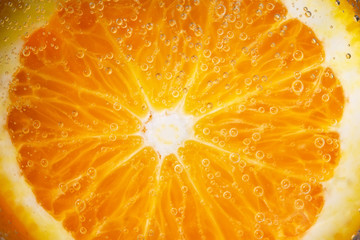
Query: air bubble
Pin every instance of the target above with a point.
(172, 22)
(258, 191)
(173, 211)
(308, 14)
(319, 142)
(326, 157)
(114, 127)
(80, 205)
(297, 86)
(205, 162)
(259, 155)
(298, 55)
(305, 188)
(91, 172)
(299, 204)
(233, 132)
(206, 131)
(256, 136)
(348, 56)
(220, 10)
(178, 168)
(108, 70)
(87, 73)
(117, 106)
(325, 97)
(36, 124)
(44, 162)
(245, 177)
(258, 234)
(285, 183)
(83, 230)
(77, 186)
(227, 195)
(234, 157)
(259, 217)
(277, 17)
(175, 93)
(80, 54)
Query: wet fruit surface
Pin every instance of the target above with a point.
(98, 109)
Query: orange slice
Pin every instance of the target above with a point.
(182, 120)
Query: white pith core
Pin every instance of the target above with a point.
(166, 131)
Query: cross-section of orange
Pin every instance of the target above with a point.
(264, 106)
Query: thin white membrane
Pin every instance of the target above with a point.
(340, 215)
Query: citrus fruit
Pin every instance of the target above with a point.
(179, 119)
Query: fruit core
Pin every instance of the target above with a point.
(166, 131)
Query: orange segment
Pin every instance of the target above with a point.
(247, 199)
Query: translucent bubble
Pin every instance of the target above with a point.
(178, 168)
(206, 131)
(245, 177)
(325, 97)
(175, 93)
(184, 189)
(299, 204)
(36, 124)
(173, 211)
(29, 163)
(326, 157)
(233, 132)
(91, 172)
(114, 127)
(274, 110)
(26, 52)
(80, 205)
(196, 2)
(207, 53)
(75, 113)
(297, 75)
(258, 191)
(319, 142)
(305, 188)
(112, 137)
(87, 72)
(285, 183)
(277, 17)
(256, 136)
(297, 86)
(258, 234)
(44, 162)
(259, 217)
(172, 22)
(83, 230)
(63, 187)
(234, 157)
(259, 155)
(205, 162)
(348, 55)
(243, 36)
(108, 70)
(80, 54)
(298, 55)
(308, 14)
(270, 6)
(117, 106)
(227, 195)
(204, 67)
(220, 10)
(76, 186)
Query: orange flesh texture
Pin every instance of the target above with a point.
(264, 105)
